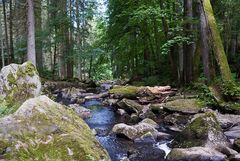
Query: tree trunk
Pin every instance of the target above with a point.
(6, 31)
(31, 51)
(11, 31)
(188, 48)
(70, 45)
(2, 45)
(204, 44)
(217, 41)
(39, 44)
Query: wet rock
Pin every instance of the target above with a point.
(233, 132)
(130, 106)
(150, 122)
(145, 154)
(97, 96)
(226, 150)
(45, 130)
(135, 131)
(202, 131)
(237, 144)
(176, 122)
(156, 108)
(196, 154)
(71, 92)
(228, 120)
(125, 159)
(147, 113)
(80, 100)
(19, 83)
(81, 111)
(121, 112)
(187, 106)
(235, 158)
(134, 118)
(110, 102)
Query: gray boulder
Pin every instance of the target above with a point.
(19, 83)
(202, 131)
(196, 154)
(42, 129)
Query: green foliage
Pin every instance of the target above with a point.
(205, 95)
(230, 88)
(5, 108)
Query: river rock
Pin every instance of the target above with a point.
(186, 106)
(130, 106)
(71, 92)
(228, 120)
(125, 91)
(147, 113)
(237, 144)
(202, 131)
(235, 158)
(19, 82)
(42, 129)
(196, 154)
(81, 111)
(136, 131)
(233, 132)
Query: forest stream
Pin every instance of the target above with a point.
(102, 120)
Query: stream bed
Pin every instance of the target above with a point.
(103, 119)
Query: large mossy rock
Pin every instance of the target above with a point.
(188, 106)
(19, 83)
(204, 130)
(196, 154)
(125, 91)
(44, 130)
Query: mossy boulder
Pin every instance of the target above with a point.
(125, 91)
(42, 129)
(196, 154)
(187, 106)
(19, 83)
(204, 130)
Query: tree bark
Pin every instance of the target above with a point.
(217, 41)
(31, 50)
(70, 45)
(2, 45)
(188, 48)
(11, 31)
(6, 31)
(204, 44)
(38, 26)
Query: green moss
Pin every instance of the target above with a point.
(30, 68)
(197, 132)
(125, 90)
(61, 135)
(11, 79)
(184, 105)
(230, 107)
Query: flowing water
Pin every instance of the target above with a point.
(103, 119)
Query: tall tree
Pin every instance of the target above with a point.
(217, 41)
(31, 50)
(188, 47)
(6, 31)
(11, 30)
